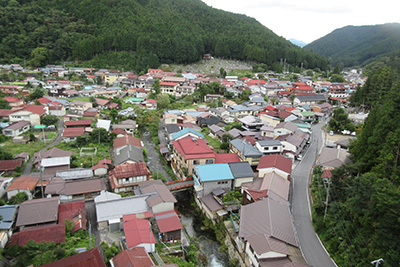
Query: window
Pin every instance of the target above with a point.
(275, 148)
(209, 161)
(196, 162)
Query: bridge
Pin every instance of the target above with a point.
(180, 185)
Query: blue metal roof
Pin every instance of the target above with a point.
(214, 172)
(185, 131)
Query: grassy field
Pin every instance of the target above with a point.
(85, 161)
(30, 148)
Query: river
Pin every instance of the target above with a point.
(208, 245)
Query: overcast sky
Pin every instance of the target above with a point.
(309, 20)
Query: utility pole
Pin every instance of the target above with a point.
(90, 236)
(41, 175)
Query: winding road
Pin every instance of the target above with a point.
(311, 247)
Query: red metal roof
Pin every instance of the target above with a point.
(119, 131)
(90, 258)
(5, 112)
(49, 233)
(138, 231)
(71, 211)
(10, 164)
(78, 123)
(73, 132)
(168, 221)
(25, 183)
(38, 109)
(130, 170)
(12, 99)
(136, 257)
(168, 83)
(193, 148)
(44, 100)
(275, 161)
(226, 158)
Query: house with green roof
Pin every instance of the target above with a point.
(186, 132)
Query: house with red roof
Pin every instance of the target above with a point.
(31, 113)
(9, 165)
(150, 104)
(169, 87)
(78, 123)
(70, 134)
(189, 152)
(122, 142)
(277, 163)
(90, 258)
(226, 158)
(138, 233)
(14, 102)
(125, 177)
(25, 184)
(135, 257)
(48, 233)
(169, 225)
(75, 212)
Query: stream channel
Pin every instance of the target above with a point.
(192, 222)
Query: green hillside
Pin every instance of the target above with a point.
(358, 45)
(137, 34)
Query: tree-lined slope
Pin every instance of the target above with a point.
(358, 45)
(143, 32)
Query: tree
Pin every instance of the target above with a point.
(5, 154)
(340, 121)
(245, 95)
(49, 120)
(292, 97)
(4, 104)
(155, 89)
(222, 72)
(163, 101)
(18, 198)
(40, 57)
(100, 135)
(113, 115)
(92, 100)
(36, 94)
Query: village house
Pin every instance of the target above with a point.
(277, 163)
(132, 257)
(125, 177)
(31, 113)
(35, 212)
(8, 214)
(17, 128)
(245, 151)
(189, 152)
(26, 184)
(79, 107)
(269, 146)
(70, 190)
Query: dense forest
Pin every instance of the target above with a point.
(363, 219)
(136, 34)
(358, 45)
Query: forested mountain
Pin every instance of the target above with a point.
(363, 220)
(358, 45)
(136, 34)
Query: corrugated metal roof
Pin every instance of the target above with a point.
(241, 169)
(8, 214)
(185, 131)
(267, 217)
(77, 173)
(138, 231)
(48, 233)
(214, 172)
(136, 257)
(91, 258)
(275, 161)
(51, 162)
(36, 211)
(168, 221)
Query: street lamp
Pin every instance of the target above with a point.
(377, 262)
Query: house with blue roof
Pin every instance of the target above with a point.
(211, 177)
(186, 132)
(8, 215)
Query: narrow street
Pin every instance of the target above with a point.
(311, 247)
(153, 157)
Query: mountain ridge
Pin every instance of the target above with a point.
(358, 45)
(143, 32)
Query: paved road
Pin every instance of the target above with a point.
(153, 157)
(60, 127)
(314, 252)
